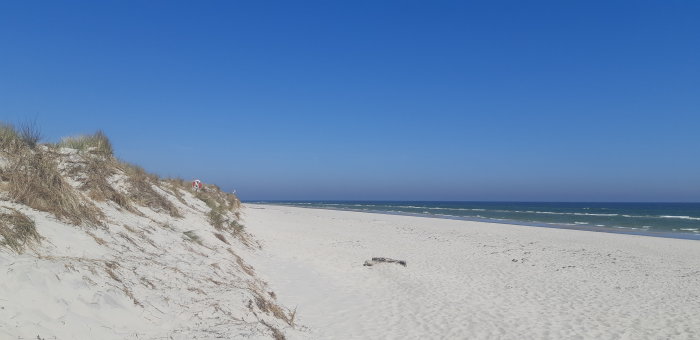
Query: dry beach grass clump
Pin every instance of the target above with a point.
(17, 230)
(67, 178)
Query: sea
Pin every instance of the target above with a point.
(676, 220)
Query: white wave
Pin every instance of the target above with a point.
(458, 209)
(681, 217)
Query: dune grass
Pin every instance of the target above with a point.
(8, 136)
(34, 180)
(216, 218)
(32, 176)
(29, 133)
(97, 172)
(13, 138)
(221, 238)
(224, 212)
(174, 187)
(96, 143)
(192, 236)
(17, 230)
(142, 192)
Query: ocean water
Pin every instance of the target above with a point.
(681, 220)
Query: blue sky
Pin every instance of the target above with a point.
(373, 100)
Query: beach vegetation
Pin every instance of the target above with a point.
(221, 238)
(96, 143)
(276, 333)
(33, 179)
(17, 230)
(29, 133)
(192, 236)
(142, 190)
(174, 186)
(9, 138)
(270, 306)
(236, 226)
(13, 138)
(216, 218)
(97, 172)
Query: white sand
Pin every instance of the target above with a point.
(473, 280)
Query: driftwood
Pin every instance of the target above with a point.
(376, 260)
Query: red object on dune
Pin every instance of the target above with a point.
(197, 185)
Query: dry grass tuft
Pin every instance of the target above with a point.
(97, 171)
(216, 218)
(9, 138)
(174, 186)
(245, 267)
(236, 227)
(112, 275)
(12, 138)
(98, 167)
(177, 182)
(224, 212)
(17, 230)
(142, 192)
(221, 238)
(34, 180)
(192, 236)
(97, 239)
(29, 133)
(96, 143)
(276, 333)
(271, 307)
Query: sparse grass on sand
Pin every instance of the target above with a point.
(29, 133)
(141, 190)
(100, 165)
(192, 236)
(34, 180)
(12, 138)
(97, 171)
(96, 143)
(17, 230)
(224, 212)
(33, 176)
(9, 138)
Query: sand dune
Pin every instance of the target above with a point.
(474, 280)
(135, 257)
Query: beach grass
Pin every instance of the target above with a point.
(96, 142)
(17, 230)
(34, 180)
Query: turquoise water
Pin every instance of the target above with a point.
(680, 220)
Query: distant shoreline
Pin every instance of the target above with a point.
(579, 227)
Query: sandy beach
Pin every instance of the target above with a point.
(471, 279)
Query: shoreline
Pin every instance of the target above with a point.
(579, 227)
(467, 279)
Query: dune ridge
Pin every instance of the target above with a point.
(95, 248)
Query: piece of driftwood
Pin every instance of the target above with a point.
(376, 260)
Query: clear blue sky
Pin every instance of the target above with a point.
(400, 100)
